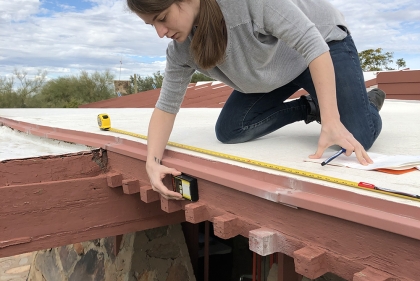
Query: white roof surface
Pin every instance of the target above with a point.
(287, 147)
(369, 75)
(17, 145)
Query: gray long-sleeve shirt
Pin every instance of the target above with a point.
(270, 43)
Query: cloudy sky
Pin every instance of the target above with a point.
(67, 36)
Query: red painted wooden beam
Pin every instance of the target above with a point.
(357, 231)
(196, 213)
(131, 186)
(171, 206)
(311, 262)
(148, 195)
(226, 226)
(51, 214)
(114, 179)
(265, 241)
(52, 168)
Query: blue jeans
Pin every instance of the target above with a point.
(245, 117)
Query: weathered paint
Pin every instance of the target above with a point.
(54, 201)
(350, 247)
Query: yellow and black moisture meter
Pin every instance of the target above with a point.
(104, 122)
(186, 185)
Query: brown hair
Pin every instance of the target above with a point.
(209, 42)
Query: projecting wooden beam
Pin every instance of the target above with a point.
(265, 241)
(148, 195)
(131, 186)
(171, 206)
(311, 262)
(114, 179)
(196, 213)
(226, 226)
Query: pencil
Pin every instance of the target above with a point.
(338, 153)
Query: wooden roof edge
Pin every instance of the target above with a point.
(278, 213)
(282, 189)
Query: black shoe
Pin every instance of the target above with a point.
(377, 97)
(313, 110)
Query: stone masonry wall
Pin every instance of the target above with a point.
(158, 254)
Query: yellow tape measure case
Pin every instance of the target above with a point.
(104, 122)
(186, 185)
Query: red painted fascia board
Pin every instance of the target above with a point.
(371, 82)
(374, 212)
(367, 210)
(395, 77)
(404, 85)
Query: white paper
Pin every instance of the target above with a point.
(380, 161)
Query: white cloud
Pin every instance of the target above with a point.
(97, 38)
(389, 24)
(94, 39)
(17, 10)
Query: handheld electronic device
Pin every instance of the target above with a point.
(186, 185)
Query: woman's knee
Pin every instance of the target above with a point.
(368, 138)
(223, 134)
(229, 134)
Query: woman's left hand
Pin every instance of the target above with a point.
(334, 132)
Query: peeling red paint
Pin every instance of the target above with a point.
(58, 200)
(16, 241)
(49, 168)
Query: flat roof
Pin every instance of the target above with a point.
(287, 147)
(18, 145)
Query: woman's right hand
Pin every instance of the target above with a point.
(156, 173)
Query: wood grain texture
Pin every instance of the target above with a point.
(352, 246)
(50, 168)
(64, 212)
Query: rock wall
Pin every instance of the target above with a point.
(153, 255)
